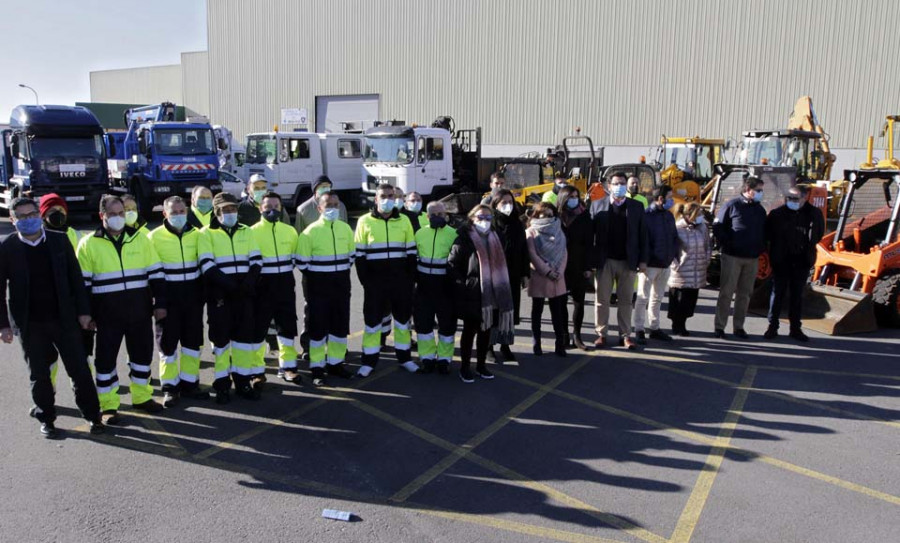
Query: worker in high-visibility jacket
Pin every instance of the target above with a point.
(201, 207)
(133, 218)
(325, 253)
(559, 182)
(385, 264)
(230, 263)
(276, 299)
(125, 277)
(434, 292)
(176, 243)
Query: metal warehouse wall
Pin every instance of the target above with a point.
(148, 85)
(530, 70)
(195, 82)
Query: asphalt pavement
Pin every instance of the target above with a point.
(700, 439)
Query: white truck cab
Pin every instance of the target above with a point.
(291, 161)
(416, 159)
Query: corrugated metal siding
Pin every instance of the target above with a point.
(528, 71)
(195, 82)
(149, 85)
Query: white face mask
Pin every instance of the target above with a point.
(229, 219)
(483, 226)
(414, 207)
(131, 217)
(115, 223)
(331, 214)
(506, 209)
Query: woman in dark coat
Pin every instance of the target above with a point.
(579, 231)
(509, 227)
(483, 296)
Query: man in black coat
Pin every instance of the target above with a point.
(792, 233)
(621, 248)
(48, 308)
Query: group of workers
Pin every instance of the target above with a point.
(72, 299)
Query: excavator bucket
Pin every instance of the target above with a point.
(829, 310)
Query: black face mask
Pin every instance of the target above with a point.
(437, 222)
(56, 219)
(272, 215)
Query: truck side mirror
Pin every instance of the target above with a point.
(142, 143)
(110, 147)
(222, 145)
(14, 145)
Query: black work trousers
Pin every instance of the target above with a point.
(137, 331)
(577, 291)
(558, 316)
(42, 344)
(275, 301)
(682, 303)
(434, 301)
(230, 320)
(384, 298)
(183, 326)
(791, 280)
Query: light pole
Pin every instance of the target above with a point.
(36, 101)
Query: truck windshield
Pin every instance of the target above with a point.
(260, 150)
(387, 149)
(776, 151)
(87, 146)
(184, 141)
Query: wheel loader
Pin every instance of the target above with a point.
(687, 164)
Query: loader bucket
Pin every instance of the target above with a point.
(829, 310)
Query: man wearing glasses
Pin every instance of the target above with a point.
(792, 233)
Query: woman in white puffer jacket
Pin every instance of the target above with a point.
(689, 270)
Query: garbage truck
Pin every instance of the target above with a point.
(53, 149)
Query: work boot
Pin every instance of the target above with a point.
(364, 371)
(170, 399)
(443, 367)
(318, 376)
(640, 337)
(33, 412)
(110, 417)
(740, 333)
(96, 427)
(339, 370)
(223, 397)
(49, 431)
(719, 333)
(660, 335)
(247, 391)
(428, 366)
(799, 335)
(507, 353)
(150, 406)
(771, 333)
(257, 381)
(291, 375)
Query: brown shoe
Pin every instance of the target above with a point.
(628, 343)
(601, 342)
(150, 406)
(110, 418)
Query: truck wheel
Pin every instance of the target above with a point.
(886, 296)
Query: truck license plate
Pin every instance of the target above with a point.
(74, 198)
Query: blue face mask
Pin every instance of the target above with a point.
(204, 205)
(667, 205)
(386, 206)
(331, 214)
(572, 203)
(29, 227)
(177, 221)
(618, 191)
(757, 196)
(793, 206)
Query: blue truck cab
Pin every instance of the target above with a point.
(159, 157)
(53, 149)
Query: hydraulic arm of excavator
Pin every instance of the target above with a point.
(803, 117)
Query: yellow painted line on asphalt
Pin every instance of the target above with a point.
(690, 515)
(816, 404)
(271, 425)
(458, 453)
(700, 438)
(155, 428)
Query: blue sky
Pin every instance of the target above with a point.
(53, 45)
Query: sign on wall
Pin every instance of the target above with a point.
(294, 116)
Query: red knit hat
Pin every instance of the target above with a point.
(52, 199)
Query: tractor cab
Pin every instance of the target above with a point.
(800, 149)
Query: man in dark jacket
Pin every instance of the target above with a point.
(621, 247)
(663, 250)
(49, 307)
(740, 228)
(249, 212)
(792, 233)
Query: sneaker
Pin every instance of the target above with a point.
(318, 376)
(111, 417)
(96, 427)
(465, 375)
(170, 399)
(719, 333)
(660, 335)
(339, 370)
(428, 366)
(799, 335)
(33, 412)
(223, 397)
(741, 334)
(641, 337)
(49, 431)
(150, 406)
(771, 333)
(628, 343)
(364, 371)
(443, 368)
(410, 366)
(291, 375)
(484, 373)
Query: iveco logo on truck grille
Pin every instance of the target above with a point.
(72, 170)
(72, 174)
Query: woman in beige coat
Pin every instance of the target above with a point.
(547, 252)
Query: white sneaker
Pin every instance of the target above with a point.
(409, 366)
(364, 371)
